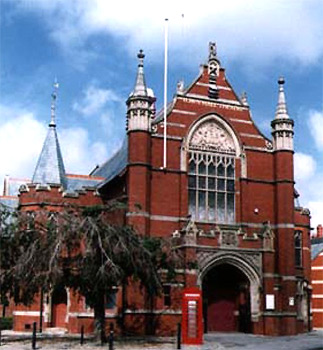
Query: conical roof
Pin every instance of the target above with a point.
(50, 166)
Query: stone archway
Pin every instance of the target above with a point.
(240, 291)
(226, 300)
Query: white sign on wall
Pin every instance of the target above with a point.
(270, 301)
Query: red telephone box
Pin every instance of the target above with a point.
(192, 318)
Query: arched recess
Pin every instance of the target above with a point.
(214, 133)
(59, 306)
(245, 267)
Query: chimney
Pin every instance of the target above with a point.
(319, 233)
(6, 186)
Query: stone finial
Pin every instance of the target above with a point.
(244, 99)
(212, 51)
(180, 87)
(141, 57)
(213, 70)
(53, 104)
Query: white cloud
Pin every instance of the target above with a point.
(21, 139)
(309, 181)
(251, 30)
(316, 127)
(304, 166)
(316, 208)
(80, 155)
(94, 100)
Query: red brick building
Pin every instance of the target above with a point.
(317, 278)
(227, 193)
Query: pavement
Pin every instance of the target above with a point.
(212, 341)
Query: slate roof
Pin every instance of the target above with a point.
(78, 182)
(9, 201)
(113, 166)
(50, 166)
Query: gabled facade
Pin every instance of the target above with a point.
(227, 197)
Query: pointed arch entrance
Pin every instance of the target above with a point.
(231, 287)
(226, 300)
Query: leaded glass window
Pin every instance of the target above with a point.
(211, 186)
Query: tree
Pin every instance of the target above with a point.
(80, 249)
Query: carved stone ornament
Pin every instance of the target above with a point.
(228, 239)
(269, 145)
(211, 137)
(268, 236)
(266, 231)
(23, 188)
(189, 233)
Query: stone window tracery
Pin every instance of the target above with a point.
(211, 174)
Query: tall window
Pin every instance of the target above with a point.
(211, 186)
(298, 247)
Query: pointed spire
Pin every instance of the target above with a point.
(50, 166)
(140, 86)
(282, 125)
(281, 109)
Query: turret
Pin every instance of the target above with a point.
(140, 104)
(140, 113)
(282, 125)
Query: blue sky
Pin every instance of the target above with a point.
(91, 46)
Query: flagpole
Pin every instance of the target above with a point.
(165, 94)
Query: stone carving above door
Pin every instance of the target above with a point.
(211, 137)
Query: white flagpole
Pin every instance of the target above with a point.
(165, 94)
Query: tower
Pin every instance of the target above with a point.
(140, 112)
(282, 132)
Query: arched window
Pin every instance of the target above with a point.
(211, 173)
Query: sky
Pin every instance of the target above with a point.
(90, 46)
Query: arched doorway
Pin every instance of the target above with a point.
(59, 307)
(226, 299)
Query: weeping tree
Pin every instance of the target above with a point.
(78, 249)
